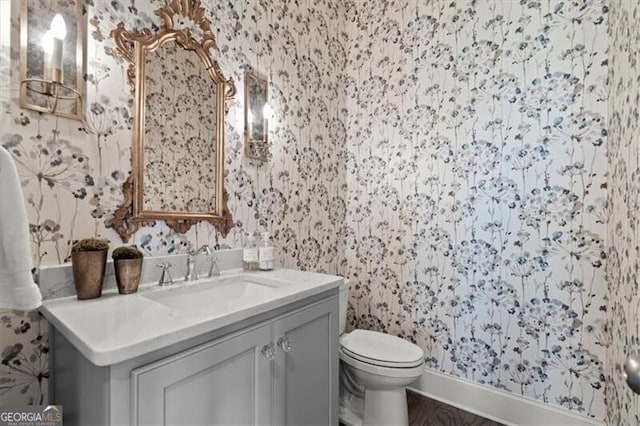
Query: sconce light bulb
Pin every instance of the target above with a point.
(47, 42)
(266, 111)
(58, 27)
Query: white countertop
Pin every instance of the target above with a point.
(116, 328)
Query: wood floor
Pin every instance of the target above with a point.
(428, 412)
(424, 411)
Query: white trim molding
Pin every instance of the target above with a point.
(495, 404)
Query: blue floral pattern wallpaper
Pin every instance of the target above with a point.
(477, 190)
(623, 232)
(465, 164)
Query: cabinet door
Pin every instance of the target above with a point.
(227, 381)
(306, 375)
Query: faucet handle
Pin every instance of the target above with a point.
(214, 270)
(205, 249)
(165, 278)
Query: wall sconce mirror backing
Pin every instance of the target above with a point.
(52, 44)
(256, 111)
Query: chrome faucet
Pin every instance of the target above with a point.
(192, 271)
(165, 277)
(214, 269)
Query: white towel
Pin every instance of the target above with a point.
(17, 289)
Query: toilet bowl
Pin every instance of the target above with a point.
(375, 369)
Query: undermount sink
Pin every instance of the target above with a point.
(209, 294)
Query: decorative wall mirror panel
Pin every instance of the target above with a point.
(180, 106)
(255, 116)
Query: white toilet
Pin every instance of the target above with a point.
(375, 368)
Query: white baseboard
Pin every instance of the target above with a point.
(495, 404)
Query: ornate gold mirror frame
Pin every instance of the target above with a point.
(134, 47)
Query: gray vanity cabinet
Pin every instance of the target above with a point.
(305, 376)
(279, 368)
(283, 373)
(223, 382)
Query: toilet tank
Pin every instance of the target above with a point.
(343, 300)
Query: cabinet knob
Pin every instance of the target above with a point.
(269, 352)
(632, 372)
(285, 344)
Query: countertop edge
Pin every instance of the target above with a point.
(103, 358)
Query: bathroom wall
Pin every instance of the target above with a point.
(473, 178)
(623, 231)
(476, 204)
(72, 171)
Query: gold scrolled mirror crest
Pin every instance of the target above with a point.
(180, 104)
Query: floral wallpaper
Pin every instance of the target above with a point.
(446, 156)
(72, 171)
(179, 140)
(623, 232)
(477, 195)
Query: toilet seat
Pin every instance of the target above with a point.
(390, 372)
(380, 349)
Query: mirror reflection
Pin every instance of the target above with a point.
(180, 132)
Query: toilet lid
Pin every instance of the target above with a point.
(381, 349)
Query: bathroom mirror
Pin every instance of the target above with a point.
(180, 106)
(255, 116)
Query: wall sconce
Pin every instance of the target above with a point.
(257, 115)
(51, 58)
